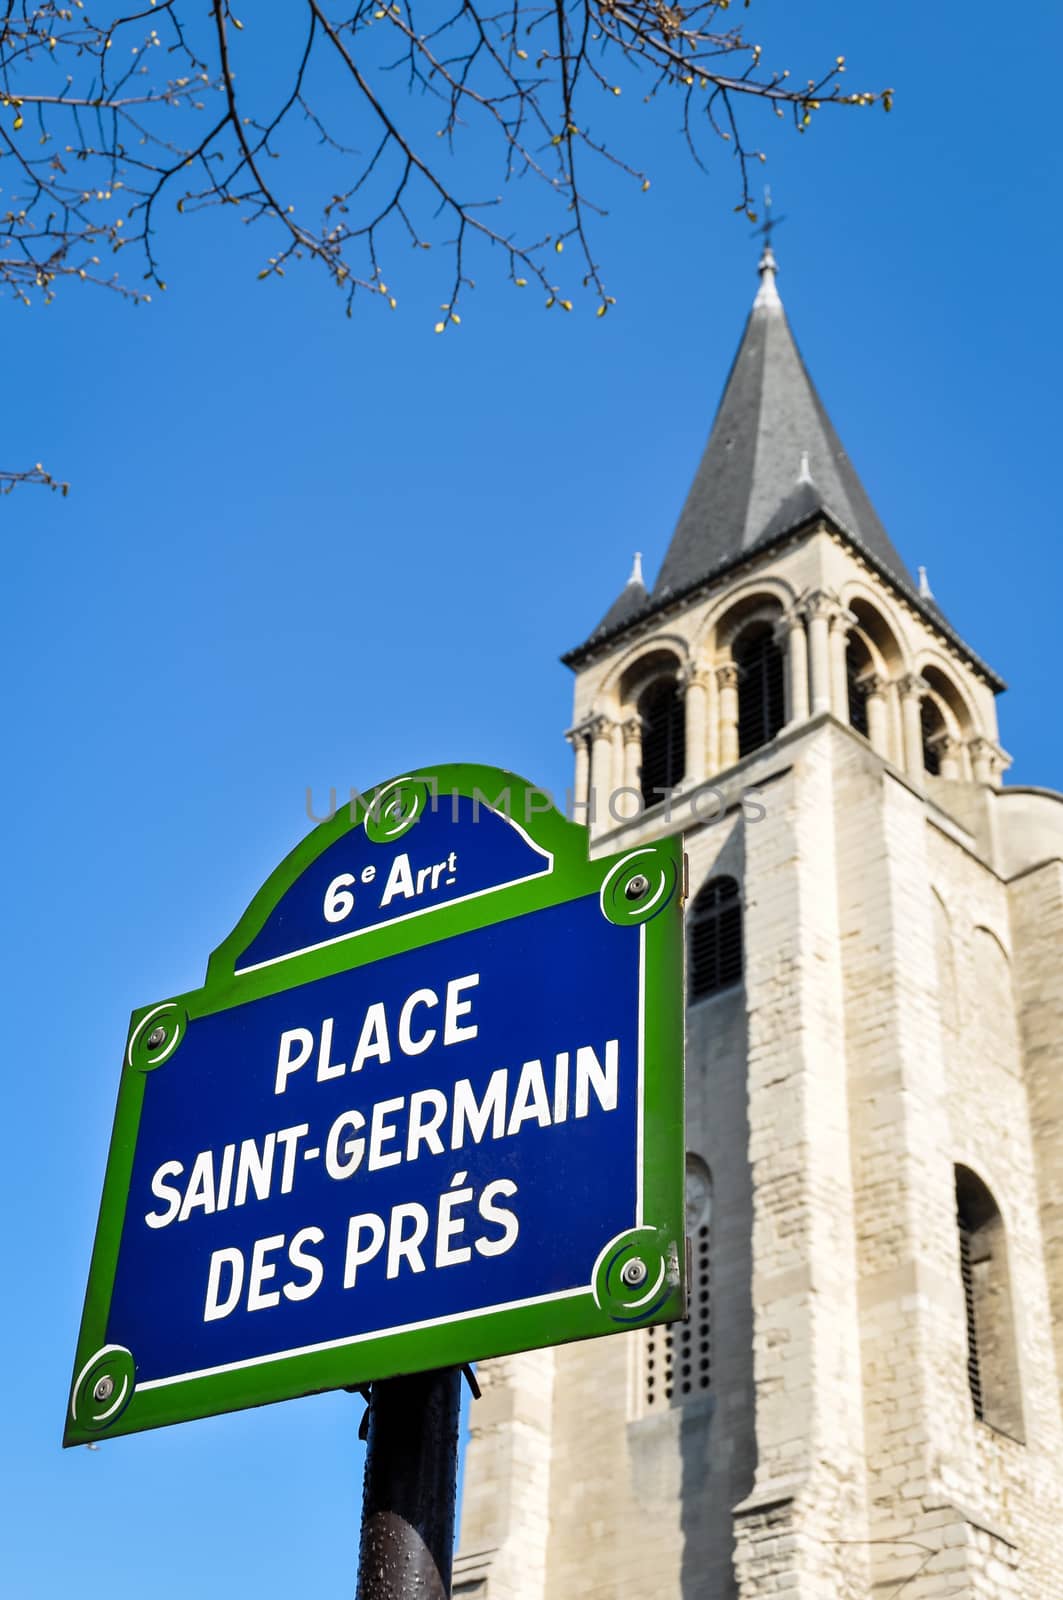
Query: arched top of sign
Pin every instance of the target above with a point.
(407, 849)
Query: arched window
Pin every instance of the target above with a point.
(715, 939)
(933, 727)
(761, 691)
(994, 1001)
(945, 963)
(664, 751)
(992, 1363)
(678, 1365)
(858, 665)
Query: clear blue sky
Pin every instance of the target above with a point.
(301, 550)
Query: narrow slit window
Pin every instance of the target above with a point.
(992, 1354)
(663, 739)
(761, 688)
(715, 960)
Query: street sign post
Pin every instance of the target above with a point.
(426, 1108)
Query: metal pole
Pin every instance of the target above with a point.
(410, 1479)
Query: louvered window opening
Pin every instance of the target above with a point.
(679, 1358)
(974, 1369)
(761, 691)
(715, 939)
(857, 695)
(930, 721)
(663, 740)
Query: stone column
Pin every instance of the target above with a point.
(727, 681)
(819, 607)
(632, 779)
(988, 761)
(790, 636)
(712, 722)
(601, 732)
(840, 623)
(912, 688)
(878, 720)
(694, 689)
(579, 739)
(950, 756)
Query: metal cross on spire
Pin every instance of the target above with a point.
(770, 222)
(767, 294)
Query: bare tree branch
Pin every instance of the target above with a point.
(109, 118)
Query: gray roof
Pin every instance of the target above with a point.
(630, 602)
(773, 458)
(773, 467)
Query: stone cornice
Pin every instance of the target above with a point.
(656, 611)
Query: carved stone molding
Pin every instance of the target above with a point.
(988, 760)
(789, 622)
(945, 745)
(820, 603)
(727, 675)
(843, 619)
(689, 674)
(632, 729)
(598, 726)
(911, 685)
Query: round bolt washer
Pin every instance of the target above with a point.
(638, 886)
(104, 1388)
(156, 1037)
(633, 1272)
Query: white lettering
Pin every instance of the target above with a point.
(287, 1062)
(353, 1149)
(475, 1117)
(326, 1067)
(200, 1191)
(289, 1138)
(493, 1213)
(261, 1272)
(215, 1307)
(591, 1075)
(401, 1247)
(357, 1253)
(531, 1100)
(373, 1039)
(255, 1169)
(225, 1181)
(307, 1263)
(165, 1191)
(400, 881)
(561, 1086)
(408, 1045)
(456, 1007)
(339, 901)
(381, 1133)
(450, 1227)
(423, 1129)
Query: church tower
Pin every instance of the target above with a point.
(864, 1401)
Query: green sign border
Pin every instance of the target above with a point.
(104, 1401)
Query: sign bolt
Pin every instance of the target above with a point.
(638, 886)
(104, 1388)
(156, 1037)
(633, 1272)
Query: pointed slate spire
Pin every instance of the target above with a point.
(744, 492)
(633, 597)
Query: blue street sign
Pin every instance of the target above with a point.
(427, 1108)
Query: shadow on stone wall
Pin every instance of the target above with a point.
(717, 1440)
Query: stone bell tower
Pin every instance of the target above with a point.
(864, 1401)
